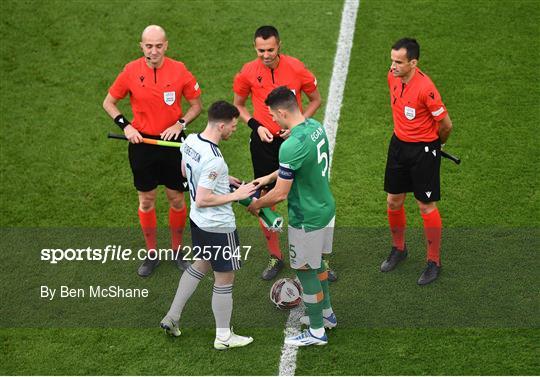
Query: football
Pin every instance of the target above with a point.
(286, 293)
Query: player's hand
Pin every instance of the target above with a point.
(233, 181)
(262, 181)
(253, 208)
(132, 134)
(244, 191)
(265, 135)
(284, 134)
(172, 132)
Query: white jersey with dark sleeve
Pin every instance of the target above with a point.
(205, 167)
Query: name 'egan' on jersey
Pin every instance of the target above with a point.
(305, 157)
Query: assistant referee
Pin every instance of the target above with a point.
(155, 85)
(421, 125)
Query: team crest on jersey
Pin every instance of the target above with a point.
(212, 176)
(169, 97)
(410, 112)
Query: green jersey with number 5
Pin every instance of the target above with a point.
(304, 158)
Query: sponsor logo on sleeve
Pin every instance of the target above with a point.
(196, 87)
(437, 112)
(285, 171)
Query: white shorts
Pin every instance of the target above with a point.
(308, 247)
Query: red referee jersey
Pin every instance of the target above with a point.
(259, 80)
(155, 93)
(417, 108)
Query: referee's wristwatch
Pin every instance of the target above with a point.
(182, 123)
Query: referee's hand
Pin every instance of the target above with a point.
(284, 134)
(172, 132)
(132, 134)
(265, 135)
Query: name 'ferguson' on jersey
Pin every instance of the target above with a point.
(304, 157)
(206, 167)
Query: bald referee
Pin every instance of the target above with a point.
(155, 85)
(421, 125)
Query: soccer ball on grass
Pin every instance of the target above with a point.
(286, 293)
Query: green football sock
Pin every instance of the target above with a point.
(312, 296)
(326, 304)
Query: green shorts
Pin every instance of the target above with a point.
(307, 248)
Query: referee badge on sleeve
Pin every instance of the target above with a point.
(169, 97)
(410, 112)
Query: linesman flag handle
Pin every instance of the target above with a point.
(447, 155)
(163, 143)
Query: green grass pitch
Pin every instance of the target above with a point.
(64, 183)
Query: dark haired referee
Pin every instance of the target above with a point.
(258, 78)
(155, 85)
(421, 126)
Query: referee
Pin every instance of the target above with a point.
(257, 79)
(156, 85)
(421, 126)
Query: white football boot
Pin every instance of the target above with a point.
(233, 341)
(170, 326)
(306, 338)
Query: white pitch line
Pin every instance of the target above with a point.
(287, 363)
(339, 73)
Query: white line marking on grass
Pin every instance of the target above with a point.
(339, 73)
(287, 363)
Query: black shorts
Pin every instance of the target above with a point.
(264, 156)
(154, 165)
(222, 250)
(414, 167)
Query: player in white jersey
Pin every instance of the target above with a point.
(213, 227)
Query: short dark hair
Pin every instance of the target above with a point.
(409, 44)
(266, 32)
(282, 98)
(222, 111)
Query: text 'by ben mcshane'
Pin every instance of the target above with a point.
(92, 291)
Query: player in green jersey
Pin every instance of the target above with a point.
(302, 179)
